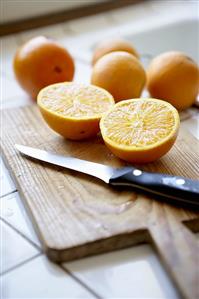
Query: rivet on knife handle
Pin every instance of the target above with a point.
(178, 189)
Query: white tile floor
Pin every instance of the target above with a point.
(9, 45)
(120, 274)
(12, 94)
(39, 278)
(6, 184)
(13, 212)
(14, 248)
(82, 72)
(130, 273)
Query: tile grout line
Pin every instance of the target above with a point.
(80, 282)
(22, 235)
(40, 254)
(8, 193)
(21, 264)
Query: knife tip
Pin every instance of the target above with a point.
(17, 146)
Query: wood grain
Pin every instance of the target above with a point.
(76, 215)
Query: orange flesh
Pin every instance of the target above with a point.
(139, 124)
(74, 110)
(75, 100)
(140, 130)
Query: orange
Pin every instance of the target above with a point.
(74, 110)
(40, 62)
(174, 77)
(121, 74)
(112, 45)
(140, 130)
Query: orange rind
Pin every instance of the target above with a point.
(140, 130)
(74, 110)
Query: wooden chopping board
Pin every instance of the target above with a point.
(76, 215)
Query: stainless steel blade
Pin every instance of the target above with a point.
(100, 171)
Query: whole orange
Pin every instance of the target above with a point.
(121, 74)
(174, 77)
(112, 45)
(40, 62)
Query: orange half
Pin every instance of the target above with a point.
(140, 130)
(74, 110)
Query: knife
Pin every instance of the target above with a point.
(175, 189)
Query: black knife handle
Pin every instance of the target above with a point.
(177, 189)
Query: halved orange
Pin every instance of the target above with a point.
(74, 110)
(140, 130)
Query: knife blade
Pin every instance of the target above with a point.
(176, 189)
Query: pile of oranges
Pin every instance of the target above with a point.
(135, 129)
(171, 76)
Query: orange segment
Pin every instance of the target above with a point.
(74, 110)
(140, 130)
